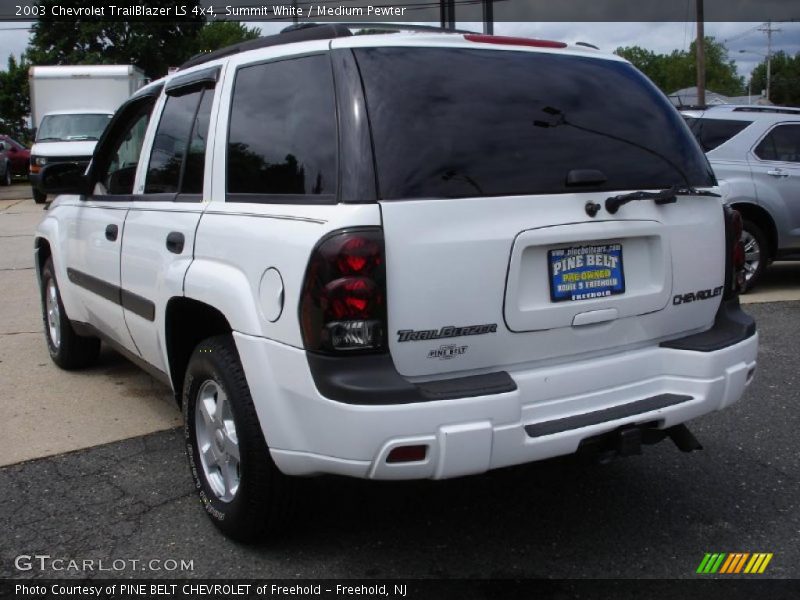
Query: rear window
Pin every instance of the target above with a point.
(714, 132)
(451, 122)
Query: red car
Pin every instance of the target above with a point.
(18, 155)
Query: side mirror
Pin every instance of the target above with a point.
(64, 178)
(13, 150)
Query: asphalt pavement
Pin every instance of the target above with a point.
(130, 502)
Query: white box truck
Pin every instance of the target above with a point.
(70, 107)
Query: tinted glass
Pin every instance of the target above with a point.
(121, 172)
(714, 132)
(282, 137)
(171, 142)
(782, 143)
(454, 122)
(196, 156)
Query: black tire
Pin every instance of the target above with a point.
(7, 175)
(68, 349)
(39, 197)
(261, 504)
(754, 235)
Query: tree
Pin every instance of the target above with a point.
(153, 45)
(219, 34)
(721, 74)
(647, 61)
(784, 79)
(676, 70)
(14, 99)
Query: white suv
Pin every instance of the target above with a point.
(400, 256)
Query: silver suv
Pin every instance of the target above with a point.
(755, 153)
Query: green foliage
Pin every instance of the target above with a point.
(677, 70)
(14, 99)
(219, 34)
(153, 46)
(785, 79)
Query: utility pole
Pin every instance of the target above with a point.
(447, 14)
(769, 30)
(488, 17)
(701, 56)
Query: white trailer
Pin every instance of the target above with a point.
(70, 107)
(81, 88)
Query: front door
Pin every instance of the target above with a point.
(96, 225)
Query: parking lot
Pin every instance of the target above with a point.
(92, 467)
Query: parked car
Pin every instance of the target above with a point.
(755, 153)
(400, 256)
(18, 154)
(5, 165)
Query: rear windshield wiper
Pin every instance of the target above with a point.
(665, 196)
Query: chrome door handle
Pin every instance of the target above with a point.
(778, 173)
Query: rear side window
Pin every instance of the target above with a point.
(178, 153)
(714, 132)
(450, 122)
(282, 138)
(196, 154)
(782, 143)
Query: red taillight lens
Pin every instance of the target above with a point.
(343, 307)
(736, 224)
(735, 281)
(351, 298)
(513, 41)
(359, 256)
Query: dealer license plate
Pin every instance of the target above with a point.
(586, 272)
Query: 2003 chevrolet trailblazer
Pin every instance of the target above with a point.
(400, 256)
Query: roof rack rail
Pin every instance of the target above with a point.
(391, 27)
(304, 32)
(290, 35)
(785, 110)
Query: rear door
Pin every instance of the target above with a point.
(158, 246)
(493, 168)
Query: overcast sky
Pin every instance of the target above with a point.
(658, 37)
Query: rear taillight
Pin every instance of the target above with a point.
(343, 306)
(735, 258)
